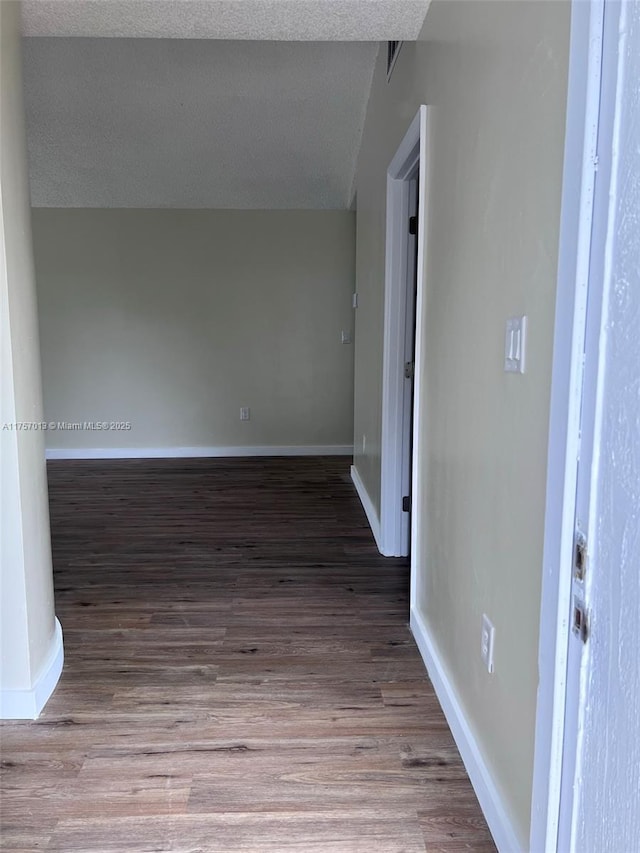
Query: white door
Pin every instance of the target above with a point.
(409, 357)
(406, 195)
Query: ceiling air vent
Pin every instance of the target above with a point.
(393, 49)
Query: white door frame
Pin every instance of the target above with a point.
(553, 735)
(412, 153)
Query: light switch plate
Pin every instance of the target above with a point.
(514, 344)
(346, 336)
(486, 642)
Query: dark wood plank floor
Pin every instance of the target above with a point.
(239, 675)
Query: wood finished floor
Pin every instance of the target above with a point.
(239, 674)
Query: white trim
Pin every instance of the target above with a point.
(27, 704)
(583, 103)
(367, 505)
(602, 239)
(411, 152)
(196, 452)
(487, 792)
(418, 495)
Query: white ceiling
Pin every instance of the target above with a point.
(186, 123)
(190, 118)
(288, 20)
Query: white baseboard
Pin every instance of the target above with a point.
(367, 505)
(489, 797)
(197, 452)
(27, 704)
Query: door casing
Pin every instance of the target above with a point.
(571, 427)
(409, 161)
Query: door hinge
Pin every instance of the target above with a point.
(580, 626)
(413, 225)
(406, 503)
(408, 370)
(580, 556)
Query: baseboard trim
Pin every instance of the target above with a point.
(197, 452)
(27, 704)
(489, 797)
(367, 505)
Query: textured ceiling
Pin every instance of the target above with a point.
(295, 20)
(194, 123)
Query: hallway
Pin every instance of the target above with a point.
(239, 674)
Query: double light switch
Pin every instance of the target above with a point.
(514, 344)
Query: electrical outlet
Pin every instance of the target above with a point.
(244, 413)
(486, 642)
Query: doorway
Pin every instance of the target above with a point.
(404, 273)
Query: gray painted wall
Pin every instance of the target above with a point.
(495, 76)
(173, 320)
(28, 640)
